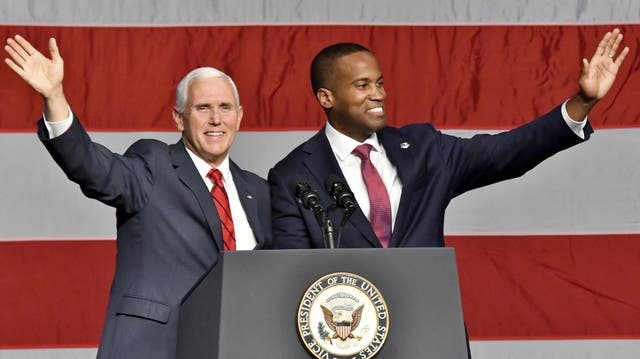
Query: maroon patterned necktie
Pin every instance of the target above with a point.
(379, 203)
(221, 201)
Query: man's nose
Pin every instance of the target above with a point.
(378, 93)
(214, 116)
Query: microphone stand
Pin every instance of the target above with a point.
(326, 225)
(330, 231)
(327, 233)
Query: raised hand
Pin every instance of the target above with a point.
(598, 74)
(43, 74)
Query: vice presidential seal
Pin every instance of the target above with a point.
(343, 316)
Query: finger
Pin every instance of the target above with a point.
(26, 45)
(611, 52)
(14, 55)
(53, 49)
(17, 48)
(611, 40)
(17, 69)
(602, 46)
(622, 56)
(585, 66)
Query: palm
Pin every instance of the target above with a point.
(43, 74)
(598, 75)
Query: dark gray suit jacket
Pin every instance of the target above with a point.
(168, 236)
(433, 167)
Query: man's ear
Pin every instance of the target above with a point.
(325, 97)
(177, 119)
(240, 113)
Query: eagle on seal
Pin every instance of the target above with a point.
(342, 322)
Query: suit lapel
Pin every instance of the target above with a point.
(249, 202)
(321, 162)
(188, 174)
(402, 155)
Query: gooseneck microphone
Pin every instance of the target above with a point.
(309, 199)
(306, 196)
(343, 198)
(341, 194)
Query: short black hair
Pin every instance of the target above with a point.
(322, 64)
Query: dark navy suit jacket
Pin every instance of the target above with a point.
(433, 167)
(168, 236)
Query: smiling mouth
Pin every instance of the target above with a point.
(376, 110)
(214, 133)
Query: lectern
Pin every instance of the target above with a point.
(247, 306)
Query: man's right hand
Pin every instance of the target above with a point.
(42, 74)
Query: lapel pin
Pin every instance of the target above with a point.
(404, 145)
(249, 196)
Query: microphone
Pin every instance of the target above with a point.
(306, 196)
(340, 192)
(343, 198)
(309, 199)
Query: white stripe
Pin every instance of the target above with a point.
(89, 353)
(500, 349)
(556, 349)
(591, 188)
(376, 12)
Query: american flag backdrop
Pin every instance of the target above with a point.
(549, 263)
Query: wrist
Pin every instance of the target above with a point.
(56, 107)
(584, 101)
(56, 94)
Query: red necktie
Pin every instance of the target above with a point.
(379, 203)
(221, 201)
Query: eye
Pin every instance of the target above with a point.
(226, 107)
(203, 108)
(362, 85)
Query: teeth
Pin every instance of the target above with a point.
(214, 133)
(376, 109)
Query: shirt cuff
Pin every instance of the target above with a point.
(575, 126)
(56, 129)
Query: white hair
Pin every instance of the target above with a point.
(202, 73)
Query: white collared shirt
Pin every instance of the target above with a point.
(342, 146)
(245, 239)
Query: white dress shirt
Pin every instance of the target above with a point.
(342, 146)
(245, 239)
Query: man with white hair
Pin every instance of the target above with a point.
(177, 206)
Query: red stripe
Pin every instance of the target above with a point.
(455, 76)
(64, 346)
(546, 338)
(541, 286)
(54, 293)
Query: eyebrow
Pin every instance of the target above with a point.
(366, 79)
(209, 104)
